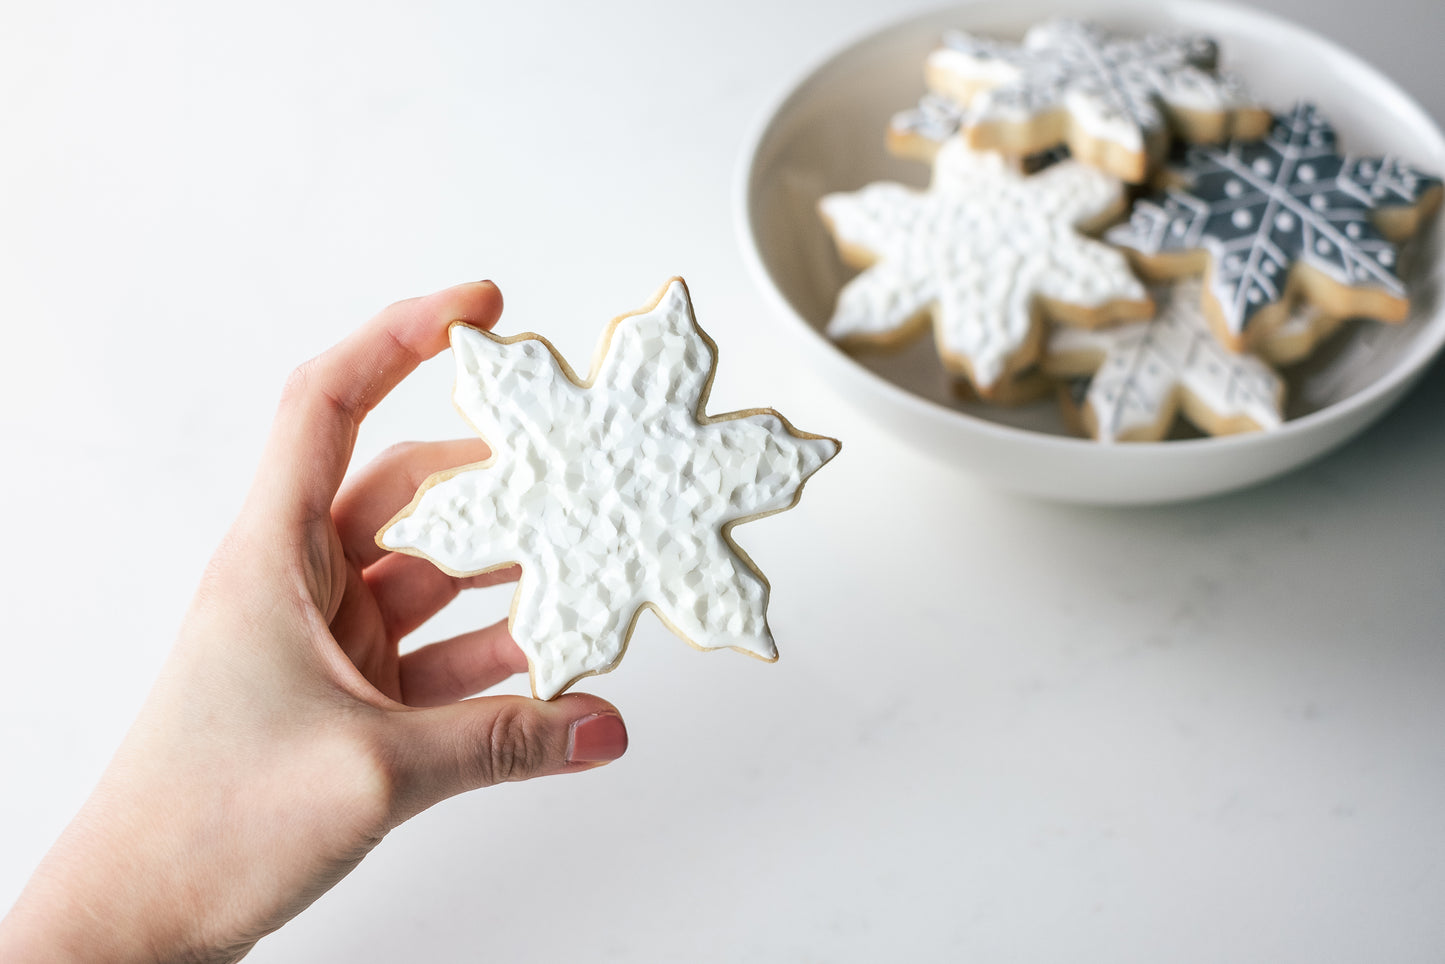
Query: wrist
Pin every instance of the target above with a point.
(112, 889)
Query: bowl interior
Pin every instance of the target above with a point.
(828, 135)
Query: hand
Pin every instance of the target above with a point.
(286, 736)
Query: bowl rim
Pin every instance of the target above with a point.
(1418, 354)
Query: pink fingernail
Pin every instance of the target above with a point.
(596, 739)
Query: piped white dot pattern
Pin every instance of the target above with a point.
(1260, 207)
(613, 495)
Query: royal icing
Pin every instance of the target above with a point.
(936, 118)
(920, 131)
(1142, 369)
(975, 250)
(613, 495)
(1113, 86)
(1258, 208)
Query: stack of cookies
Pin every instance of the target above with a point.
(1113, 220)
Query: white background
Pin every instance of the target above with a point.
(1000, 729)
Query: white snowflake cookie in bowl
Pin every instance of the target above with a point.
(1132, 381)
(615, 494)
(986, 254)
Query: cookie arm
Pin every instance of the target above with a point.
(321, 409)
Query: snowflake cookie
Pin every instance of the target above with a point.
(1295, 338)
(1113, 99)
(918, 132)
(1140, 376)
(984, 252)
(1279, 219)
(615, 494)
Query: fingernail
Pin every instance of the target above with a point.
(598, 738)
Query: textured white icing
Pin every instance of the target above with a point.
(1111, 85)
(611, 496)
(1146, 365)
(975, 249)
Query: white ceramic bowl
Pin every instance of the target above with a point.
(826, 134)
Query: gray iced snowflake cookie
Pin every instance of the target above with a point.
(1114, 100)
(615, 494)
(1273, 221)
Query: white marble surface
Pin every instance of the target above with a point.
(999, 730)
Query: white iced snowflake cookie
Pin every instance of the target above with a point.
(615, 495)
(985, 253)
(1113, 99)
(1140, 376)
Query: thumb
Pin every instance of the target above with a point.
(446, 750)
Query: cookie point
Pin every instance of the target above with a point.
(386, 540)
(824, 449)
(462, 336)
(673, 293)
(762, 646)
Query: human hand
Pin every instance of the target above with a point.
(286, 735)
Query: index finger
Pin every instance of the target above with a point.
(326, 398)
